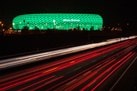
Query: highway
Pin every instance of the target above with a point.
(91, 70)
(18, 61)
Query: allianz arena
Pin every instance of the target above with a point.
(59, 21)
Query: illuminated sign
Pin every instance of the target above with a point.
(71, 20)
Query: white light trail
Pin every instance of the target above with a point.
(12, 62)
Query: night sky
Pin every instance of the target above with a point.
(112, 11)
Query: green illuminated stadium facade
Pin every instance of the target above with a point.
(59, 21)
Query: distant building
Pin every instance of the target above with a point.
(58, 21)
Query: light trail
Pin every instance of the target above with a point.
(12, 62)
(88, 70)
(64, 61)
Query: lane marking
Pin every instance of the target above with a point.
(111, 89)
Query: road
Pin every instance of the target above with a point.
(92, 70)
(18, 61)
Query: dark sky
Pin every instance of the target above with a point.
(113, 11)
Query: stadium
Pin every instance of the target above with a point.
(58, 21)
